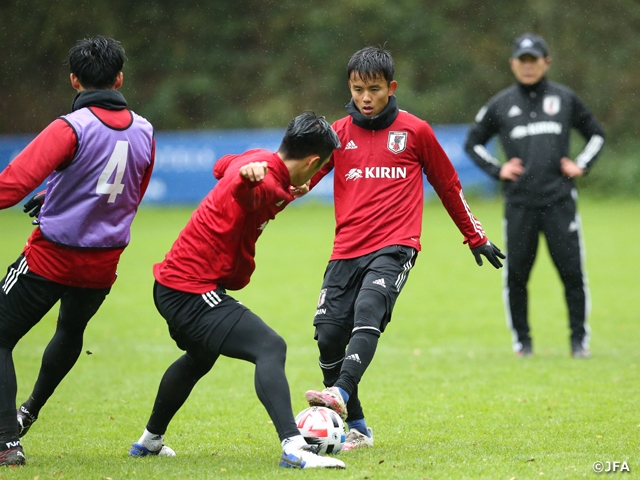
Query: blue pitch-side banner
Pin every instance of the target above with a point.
(184, 161)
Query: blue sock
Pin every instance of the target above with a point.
(359, 425)
(345, 395)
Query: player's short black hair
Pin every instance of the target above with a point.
(308, 134)
(370, 62)
(96, 61)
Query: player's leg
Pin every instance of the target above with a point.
(175, 387)
(383, 281)
(24, 299)
(77, 307)
(334, 323)
(254, 341)
(385, 273)
(522, 226)
(563, 231)
(191, 319)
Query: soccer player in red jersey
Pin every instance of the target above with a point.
(378, 193)
(97, 161)
(214, 254)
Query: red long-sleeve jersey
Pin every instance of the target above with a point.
(378, 186)
(217, 247)
(54, 149)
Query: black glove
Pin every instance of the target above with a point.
(490, 251)
(34, 204)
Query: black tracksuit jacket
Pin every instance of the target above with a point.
(534, 124)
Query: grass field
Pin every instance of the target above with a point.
(445, 395)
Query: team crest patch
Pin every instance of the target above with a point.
(397, 141)
(551, 104)
(323, 296)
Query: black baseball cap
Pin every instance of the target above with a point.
(530, 44)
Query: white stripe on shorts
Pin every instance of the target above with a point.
(405, 271)
(211, 298)
(12, 276)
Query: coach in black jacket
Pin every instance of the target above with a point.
(534, 118)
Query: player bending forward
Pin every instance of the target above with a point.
(378, 191)
(215, 253)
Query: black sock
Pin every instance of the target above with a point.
(8, 430)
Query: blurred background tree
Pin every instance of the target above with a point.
(256, 63)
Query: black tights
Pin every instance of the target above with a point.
(345, 370)
(251, 340)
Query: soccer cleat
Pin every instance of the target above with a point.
(330, 398)
(138, 450)
(12, 457)
(306, 457)
(355, 439)
(25, 420)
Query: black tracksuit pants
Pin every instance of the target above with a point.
(561, 226)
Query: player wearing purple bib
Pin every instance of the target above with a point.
(98, 160)
(79, 213)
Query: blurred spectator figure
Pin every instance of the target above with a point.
(533, 119)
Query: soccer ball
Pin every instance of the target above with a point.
(322, 426)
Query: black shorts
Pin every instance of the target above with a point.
(26, 297)
(198, 323)
(385, 271)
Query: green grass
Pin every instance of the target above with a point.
(445, 395)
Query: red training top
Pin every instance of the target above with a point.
(217, 247)
(378, 186)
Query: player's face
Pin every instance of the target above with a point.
(315, 167)
(371, 96)
(528, 69)
(308, 168)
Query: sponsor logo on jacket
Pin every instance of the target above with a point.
(376, 172)
(536, 128)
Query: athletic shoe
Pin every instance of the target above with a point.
(355, 439)
(25, 420)
(12, 457)
(525, 350)
(306, 457)
(138, 450)
(330, 398)
(580, 353)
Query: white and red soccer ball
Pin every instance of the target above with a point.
(322, 426)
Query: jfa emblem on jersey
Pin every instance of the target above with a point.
(397, 141)
(551, 104)
(323, 296)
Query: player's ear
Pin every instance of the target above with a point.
(392, 87)
(119, 81)
(314, 161)
(75, 83)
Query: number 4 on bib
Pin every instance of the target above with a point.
(118, 163)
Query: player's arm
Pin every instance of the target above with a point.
(443, 177)
(248, 187)
(584, 121)
(52, 149)
(484, 127)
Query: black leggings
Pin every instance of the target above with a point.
(250, 339)
(25, 298)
